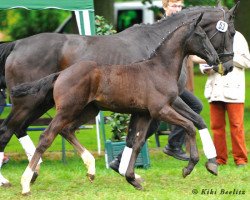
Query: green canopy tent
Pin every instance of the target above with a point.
(84, 10)
(84, 13)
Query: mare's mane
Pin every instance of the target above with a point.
(177, 17)
(159, 30)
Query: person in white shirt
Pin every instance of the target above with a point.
(226, 94)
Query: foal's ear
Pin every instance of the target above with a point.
(198, 20)
(233, 10)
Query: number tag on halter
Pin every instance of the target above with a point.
(222, 26)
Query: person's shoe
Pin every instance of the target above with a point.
(5, 160)
(114, 164)
(177, 153)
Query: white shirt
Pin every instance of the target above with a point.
(230, 88)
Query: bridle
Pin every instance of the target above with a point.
(222, 53)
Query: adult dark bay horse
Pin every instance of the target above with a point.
(147, 87)
(40, 55)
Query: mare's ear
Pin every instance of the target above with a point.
(219, 3)
(198, 20)
(233, 10)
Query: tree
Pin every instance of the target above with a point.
(20, 23)
(105, 8)
(242, 19)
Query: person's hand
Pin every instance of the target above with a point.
(205, 68)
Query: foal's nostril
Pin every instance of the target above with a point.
(231, 68)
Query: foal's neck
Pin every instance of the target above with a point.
(172, 51)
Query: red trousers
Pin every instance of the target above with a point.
(235, 113)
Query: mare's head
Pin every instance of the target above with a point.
(220, 30)
(199, 44)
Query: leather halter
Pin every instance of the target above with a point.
(223, 53)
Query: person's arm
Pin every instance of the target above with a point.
(197, 59)
(204, 67)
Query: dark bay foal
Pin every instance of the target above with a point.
(147, 87)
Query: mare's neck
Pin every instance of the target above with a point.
(149, 37)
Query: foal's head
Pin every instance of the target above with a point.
(199, 44)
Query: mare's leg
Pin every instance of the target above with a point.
(208, 146)
(13, 124)
(168, 114)
(17, 122)
(4, 139)
(138, 128)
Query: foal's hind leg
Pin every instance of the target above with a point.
(86, 156)
(4, 139)
(208, 146)
(46, 139)
(65, 121)
(169, 115)
(89, 112)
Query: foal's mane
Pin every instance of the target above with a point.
(169, 38)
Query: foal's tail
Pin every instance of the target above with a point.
(43, 85)
(5, 50)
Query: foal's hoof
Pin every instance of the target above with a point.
(185, 172)
(212, 168)
(139, 180)
(34, 177)
(6, 185)
(135, 183)
(91, 177)
(26, 194)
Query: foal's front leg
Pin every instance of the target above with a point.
(135, 121)
(208, 146)
(168, 114)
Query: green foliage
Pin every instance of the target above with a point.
(102, 27)
(20, 23)
(119, 125)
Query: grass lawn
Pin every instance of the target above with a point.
(163, 180)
